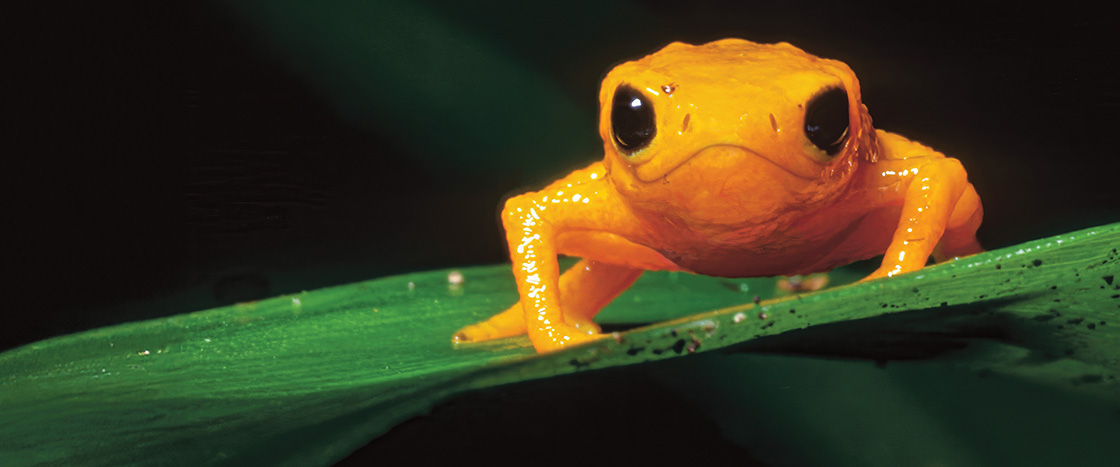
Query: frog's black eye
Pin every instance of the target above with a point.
(826, 120)
(632, 122)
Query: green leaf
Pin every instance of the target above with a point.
(308, 378)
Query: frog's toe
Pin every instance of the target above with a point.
(585, 326)
(472, 333)
(508, 323)
(560, 337)
(483, 331)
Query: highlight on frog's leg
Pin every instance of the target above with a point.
(959, 238)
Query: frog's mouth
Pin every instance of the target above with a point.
(713, 161)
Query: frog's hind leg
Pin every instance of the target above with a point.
(959, 238)
(584, 290)
(939, 209)
(589, 286)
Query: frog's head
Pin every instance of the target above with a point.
(732, 132)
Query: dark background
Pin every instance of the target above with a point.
(165, 157)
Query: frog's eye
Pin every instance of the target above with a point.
(632, 122)
(826, 120)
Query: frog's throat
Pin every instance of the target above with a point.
(741, 151)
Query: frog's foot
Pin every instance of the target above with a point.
(802, 284)
(883, 271)
(479, 332)
(554, 338)
(511, 323)
(508, 323)
(582, 324)
(946, 251)
(959, 238)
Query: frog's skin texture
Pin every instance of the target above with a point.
(721, 159)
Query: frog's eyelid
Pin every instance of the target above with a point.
(843, 136)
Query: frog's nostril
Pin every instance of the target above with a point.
(684, 124)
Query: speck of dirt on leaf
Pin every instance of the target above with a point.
(693, 346)
(679, 346)
(455, 278)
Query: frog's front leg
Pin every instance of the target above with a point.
(534, 223)
(940, 208)
(580, 215)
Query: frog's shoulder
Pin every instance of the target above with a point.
(893, 146)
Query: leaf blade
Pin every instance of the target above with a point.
(260, 380)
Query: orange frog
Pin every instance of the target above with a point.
(730, 159)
